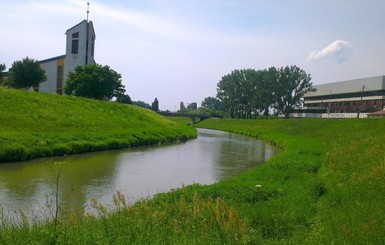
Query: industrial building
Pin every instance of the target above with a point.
(80, 48)
(345, 99)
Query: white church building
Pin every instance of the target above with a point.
(80, 48)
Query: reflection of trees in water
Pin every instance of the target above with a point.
(26, 185)
(240, 153)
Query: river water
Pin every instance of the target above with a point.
(137, 173)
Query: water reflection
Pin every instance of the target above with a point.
(137, 173)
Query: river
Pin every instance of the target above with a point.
(137, 173)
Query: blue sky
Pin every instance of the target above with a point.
(178, 50)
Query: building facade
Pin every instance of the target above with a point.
(352, 98)
(80, 49)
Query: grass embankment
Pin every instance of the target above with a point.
(326, 187)
(38, 125)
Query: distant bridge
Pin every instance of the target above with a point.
(189, 115)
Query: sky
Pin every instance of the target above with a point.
(176, 50)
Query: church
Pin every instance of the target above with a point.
(80, 48)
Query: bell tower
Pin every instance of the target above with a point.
(80, 45)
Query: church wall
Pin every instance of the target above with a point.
(49, 86)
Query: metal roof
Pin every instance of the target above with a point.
(52, 59)
(349, 86)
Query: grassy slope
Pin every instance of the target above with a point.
(37, 125)
(327, 187)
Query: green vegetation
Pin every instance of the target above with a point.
(95, 81)
(26, 73)
(246, 93)
(2, 73)
(326, 187)
(38, 125)
(173, 222)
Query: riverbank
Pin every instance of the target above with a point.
(36, 125)
(326, 187)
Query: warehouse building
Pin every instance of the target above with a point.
(345, 99)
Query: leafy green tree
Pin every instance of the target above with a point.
(26, 73)
(236, 91)
(212, 106)
(2, 69)
(94, 81)
(192, 106)
(155, 105)
(227, 92)
(264, 90)
(182, 107)
(213, 103)
(291, 85)
(124, 99)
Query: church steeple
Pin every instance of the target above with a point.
(80, 45)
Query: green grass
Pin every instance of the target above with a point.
(39, 125)
(326, 187)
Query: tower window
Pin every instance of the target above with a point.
(75, 46)
(75, 35)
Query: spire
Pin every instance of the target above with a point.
(88, 10)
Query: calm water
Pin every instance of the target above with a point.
(137, 173)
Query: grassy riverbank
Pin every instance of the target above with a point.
(38, 125)
(326, 187)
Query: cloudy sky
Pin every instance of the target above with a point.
(178, 50)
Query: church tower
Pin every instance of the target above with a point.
(80, 46)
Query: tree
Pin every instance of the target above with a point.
(192, 106)
(2, 69)
(291, 85)
(236, 91)
(94, 81)
(213, 103)
(155, 105)
(264, 90)
(248, 92)
(124, 99)
(182, 107)
(212, 106)
(26, 73)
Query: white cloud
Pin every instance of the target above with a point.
(337, 50)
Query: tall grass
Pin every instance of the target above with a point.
(174, 222)
(39, 125)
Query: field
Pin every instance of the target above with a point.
(326, 187)
(39, 125)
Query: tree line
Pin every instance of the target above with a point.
(249, 93)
